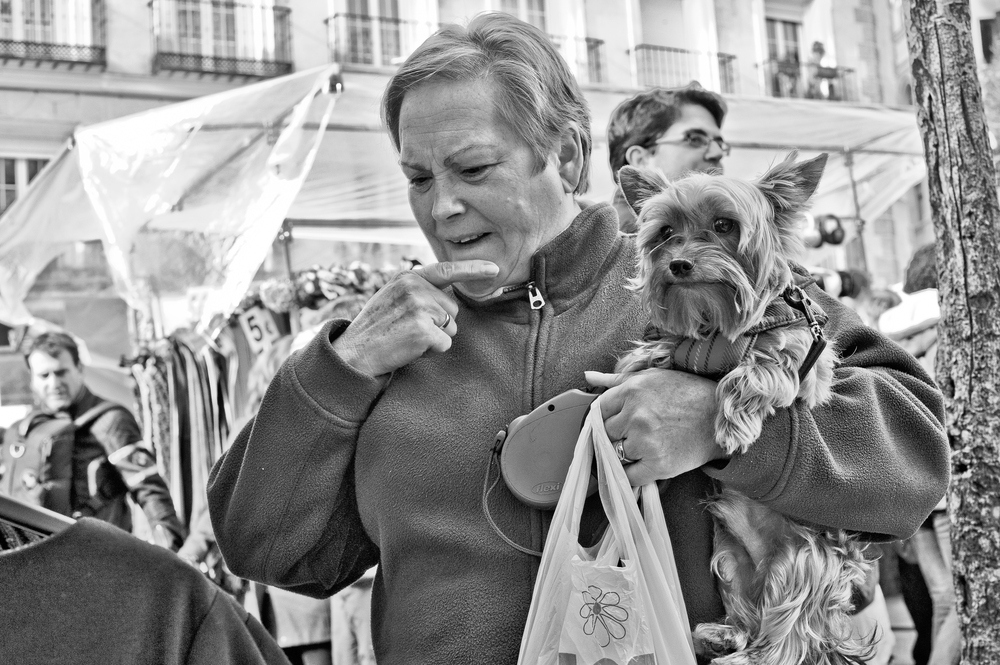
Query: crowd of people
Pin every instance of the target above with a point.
(360, 472)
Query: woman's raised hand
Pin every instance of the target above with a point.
(407, 317)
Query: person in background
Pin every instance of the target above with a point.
(925, 558)
(675, 131)
(372, 442)
(109, 460)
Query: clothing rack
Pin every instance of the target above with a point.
(34, 519)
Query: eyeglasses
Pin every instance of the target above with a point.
(698, 140)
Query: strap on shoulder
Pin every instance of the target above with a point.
(89, 416)
(36, 419)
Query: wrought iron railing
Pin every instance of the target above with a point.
(359, 39)
(790, 78)
(66, 31)
(220, 37)
(379, 41)
(668, 67)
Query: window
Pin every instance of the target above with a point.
(986, 32)
(8, 186)
(359, 33)
(33, 166)
(6, 19)
(530, 11)
(784, 57)
(38, 21)
(15, 174)
(224, 28)
(189, 27)
(389, 29)
(783, 40)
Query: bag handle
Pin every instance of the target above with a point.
(655, 552)
(619, 504)
(569, 510)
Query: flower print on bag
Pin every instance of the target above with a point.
(604, 617)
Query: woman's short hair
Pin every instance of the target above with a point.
(536, 94)
(644, 117)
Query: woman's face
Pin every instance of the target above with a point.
(472, 184)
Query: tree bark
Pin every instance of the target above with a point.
(963, 196)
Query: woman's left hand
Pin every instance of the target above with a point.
(664, 418)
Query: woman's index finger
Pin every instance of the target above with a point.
(446, 273)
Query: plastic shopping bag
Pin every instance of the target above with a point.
(618, 602)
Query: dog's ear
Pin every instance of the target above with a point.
(790, 184)
(639, 184)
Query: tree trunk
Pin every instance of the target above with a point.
(966, 212)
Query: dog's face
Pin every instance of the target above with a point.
(715, 250)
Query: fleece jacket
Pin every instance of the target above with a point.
(340, 471)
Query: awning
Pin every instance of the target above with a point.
(190, 196)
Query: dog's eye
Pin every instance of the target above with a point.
(724, 226)
(666, 233)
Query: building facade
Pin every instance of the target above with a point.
(66, 63)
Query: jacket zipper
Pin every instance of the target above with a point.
(535, 296)
(537, 302)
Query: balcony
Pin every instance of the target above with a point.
(221, 38)
(668, 67)
(789, 78)
(70, 32)
(378, 41)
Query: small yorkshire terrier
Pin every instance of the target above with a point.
(715, 279)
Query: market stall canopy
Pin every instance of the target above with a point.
(356, 176)
(189, 196)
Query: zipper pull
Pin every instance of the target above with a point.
(535, 297)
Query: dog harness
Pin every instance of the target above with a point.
(715, 356)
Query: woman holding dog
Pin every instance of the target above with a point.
(372, 442)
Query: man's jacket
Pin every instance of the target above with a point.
(109, 462)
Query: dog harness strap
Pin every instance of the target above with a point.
(797, 299)
(714, 356)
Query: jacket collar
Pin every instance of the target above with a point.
(84, 402)
(568, 264)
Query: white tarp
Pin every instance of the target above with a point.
(187, 198)
(356, 176)
(190, 196)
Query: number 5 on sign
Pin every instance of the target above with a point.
(259, 328)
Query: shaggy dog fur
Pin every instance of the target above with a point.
(714, 253)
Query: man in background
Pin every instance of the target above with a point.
(676, 131)
(109, 458)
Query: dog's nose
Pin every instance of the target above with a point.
(681, 267)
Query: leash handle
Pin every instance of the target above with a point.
(487, 489)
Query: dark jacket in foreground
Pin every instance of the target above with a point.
(336, 475)
(95, 594)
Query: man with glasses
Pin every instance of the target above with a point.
(675, 131)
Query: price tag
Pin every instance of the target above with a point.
(259, 328)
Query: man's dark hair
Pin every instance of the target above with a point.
(644, 117)
(921, 273)
(54, 343)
